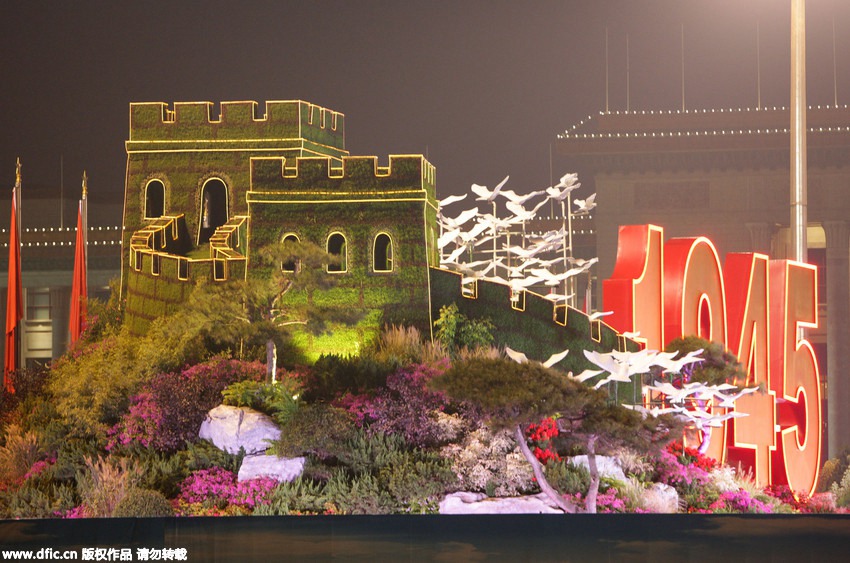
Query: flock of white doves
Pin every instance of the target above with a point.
(521, 265)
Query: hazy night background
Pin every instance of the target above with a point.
(482, 87)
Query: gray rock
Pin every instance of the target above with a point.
(479, 503)
(280, 468)
(231, 428)
(661, 499)
(608, 466)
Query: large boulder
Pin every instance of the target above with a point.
(280, 468)
(607, 466)
(661, 499)
(231, 428)
(479, 503)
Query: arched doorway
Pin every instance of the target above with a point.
(213, 208)
(154, 199)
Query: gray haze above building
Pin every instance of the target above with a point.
(481, 87)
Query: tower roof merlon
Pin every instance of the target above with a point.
(192, 122)
(359, 176)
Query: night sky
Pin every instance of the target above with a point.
(481, 87)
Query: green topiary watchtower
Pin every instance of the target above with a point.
(202, 194)
(379, 221)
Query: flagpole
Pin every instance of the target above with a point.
(85, 213)
(14, 307)
(79, 283)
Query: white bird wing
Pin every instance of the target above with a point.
(568, 180)
(525, 198)
(476, 230)
(481, 191)
(728, 401)
(516, 356)
(510, 195)
(498, 188)
(515, 208)
(464, 217)
(598, 314)
(455, 254)
(447, 237)
(587, 374)
(555, 358)
(452, 199)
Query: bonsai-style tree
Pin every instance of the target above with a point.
(608, 426)
(718, 365)
(512, 395)
(250, 310)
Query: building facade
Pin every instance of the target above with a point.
(48, 235)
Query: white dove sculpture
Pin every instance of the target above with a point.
(486, 195)
(521, 358)
(584, 205)
(512, 197)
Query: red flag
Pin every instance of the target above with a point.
(79, 291)
(14, 306)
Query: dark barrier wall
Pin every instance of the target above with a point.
(605, 537)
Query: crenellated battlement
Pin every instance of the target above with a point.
(358, 174)
(236, 121)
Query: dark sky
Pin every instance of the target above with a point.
(482, 86)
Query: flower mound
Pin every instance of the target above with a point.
(217, 487)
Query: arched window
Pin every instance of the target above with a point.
(213, 208)
(337, 250)
(382, 253)
(154, 199)
(292, 265)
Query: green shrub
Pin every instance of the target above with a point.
(318, 429)
(301, 496)
(333, 376)
(833, 470)
(456, 331)
(383, 475)
(362, 494)
(568, 479)
(143, 503)
(280, 400)
(44, 501)
(203, 455)
(164, 472)
(160, 471)
(19, 451)
(417, 480)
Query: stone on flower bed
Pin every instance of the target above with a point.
(231, 428)
(607, 466)
(279, 468)
(479, 503)
(661, 499)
